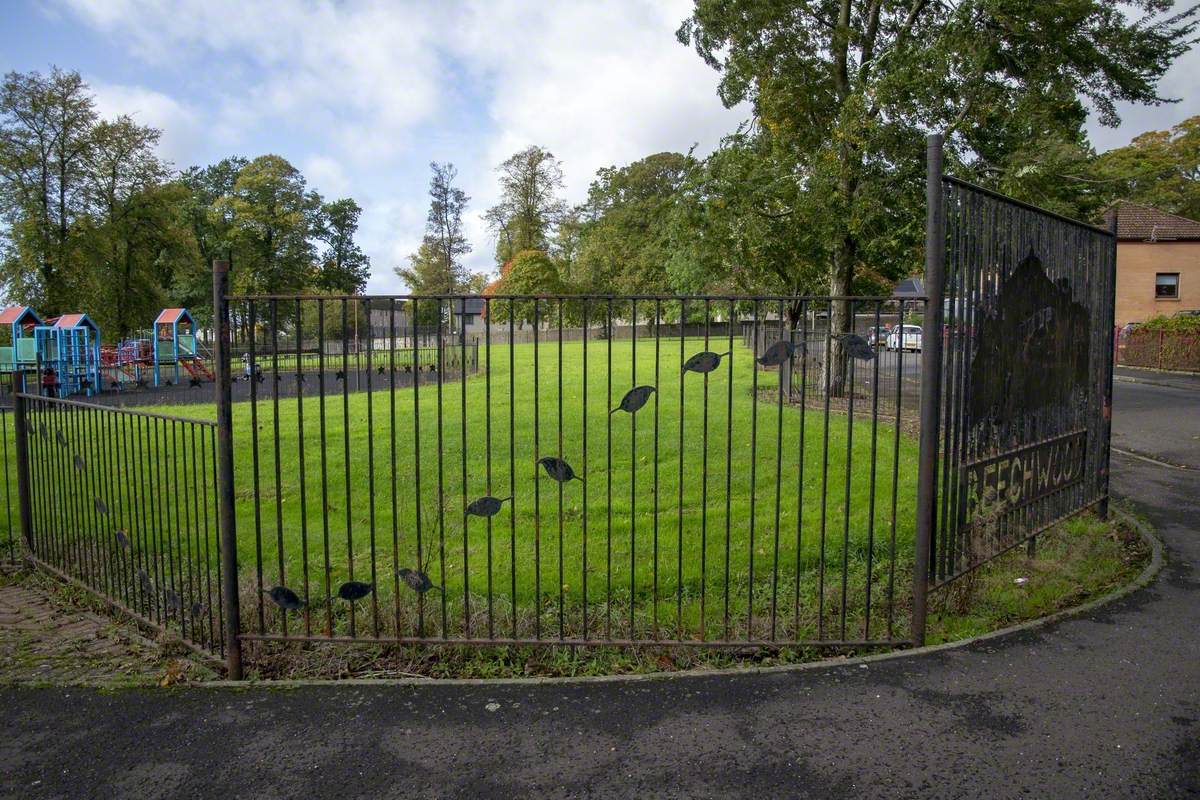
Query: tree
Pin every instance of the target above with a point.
(343, 267)
(850, 87)
(530, 206)
(134, 240)
(1158, 168)
(622, 243)
(444, 223)
(531, 272)
(45, 136)
(271, 218)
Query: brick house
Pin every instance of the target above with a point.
(1158, 262)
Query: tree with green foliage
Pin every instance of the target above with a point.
(271, 216)
(530, 205)
(1158, 168)
(531, 272)
(849, 88)
(46, 126)
(343, 267)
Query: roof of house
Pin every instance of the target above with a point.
(14, 314)
(169, 315)
(1136, 222)
(909, 287)
(73, 321)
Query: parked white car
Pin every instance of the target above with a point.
(905, 337)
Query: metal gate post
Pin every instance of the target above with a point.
(1111, 362)
(228, 523)
(21, 432)
(931, 382)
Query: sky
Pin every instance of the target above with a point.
(361, 95)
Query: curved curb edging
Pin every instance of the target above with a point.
(1145, 578)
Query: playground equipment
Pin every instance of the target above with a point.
(175, 348)
(18, 347)
(70, 346)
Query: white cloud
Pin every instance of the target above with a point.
(179, 122)
(380, 88)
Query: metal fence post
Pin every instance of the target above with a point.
(228, 524)
(1108, 383)
(931, 381)
(21, 432)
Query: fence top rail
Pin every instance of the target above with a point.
(58, 401)
(974, 187)
(762, 298)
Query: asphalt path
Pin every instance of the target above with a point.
(1105, 704)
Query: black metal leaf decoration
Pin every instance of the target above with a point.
(634, 399)
(145, 583)
(197, 609)
(62, 440)
(486, 506)
(285, 598)
(779, 353)
(101, 506)
(354, 590)
(703, 362)
(194, 382)
(173, 602)
(856, 346)
(42, 430)
(416, 580)
(80, 464)
(122, 539)
(558, 469)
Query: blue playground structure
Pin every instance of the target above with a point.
(175, 348)
(18, 347)
(68, 354)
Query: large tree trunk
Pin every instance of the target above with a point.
(840, 320)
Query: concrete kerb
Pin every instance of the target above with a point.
(1147, 575)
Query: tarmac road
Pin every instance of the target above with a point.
(1106, 704)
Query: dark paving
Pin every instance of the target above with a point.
(1102, 705)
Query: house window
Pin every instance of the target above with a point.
(1166, 286)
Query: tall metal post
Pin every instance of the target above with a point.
(1111, 363)
(228, 523)
(21, 432)
(931, 381)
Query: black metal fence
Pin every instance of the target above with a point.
(581, 488)
(1027, 373)
(580, 470)
(123, 503)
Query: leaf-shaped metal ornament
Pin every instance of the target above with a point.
(197, 609)
(122, 539)
(558, 469)
(856, 346)
(147, 586)
(416, 580)
(779, 353)
(80, 464)
(173, 601)
(101, 506)
(42, 430)
(486, 506)
(286, 599)
(703, 362)
(634, 399)
(62, 440)
(194, 382)
(352, 591)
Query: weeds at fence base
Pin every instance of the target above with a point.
(1078, 559)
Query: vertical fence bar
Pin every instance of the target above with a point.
(1110, 361)
(20, 430)
(931, 382)
(228, 523)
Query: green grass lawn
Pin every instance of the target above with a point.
(757, 509)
